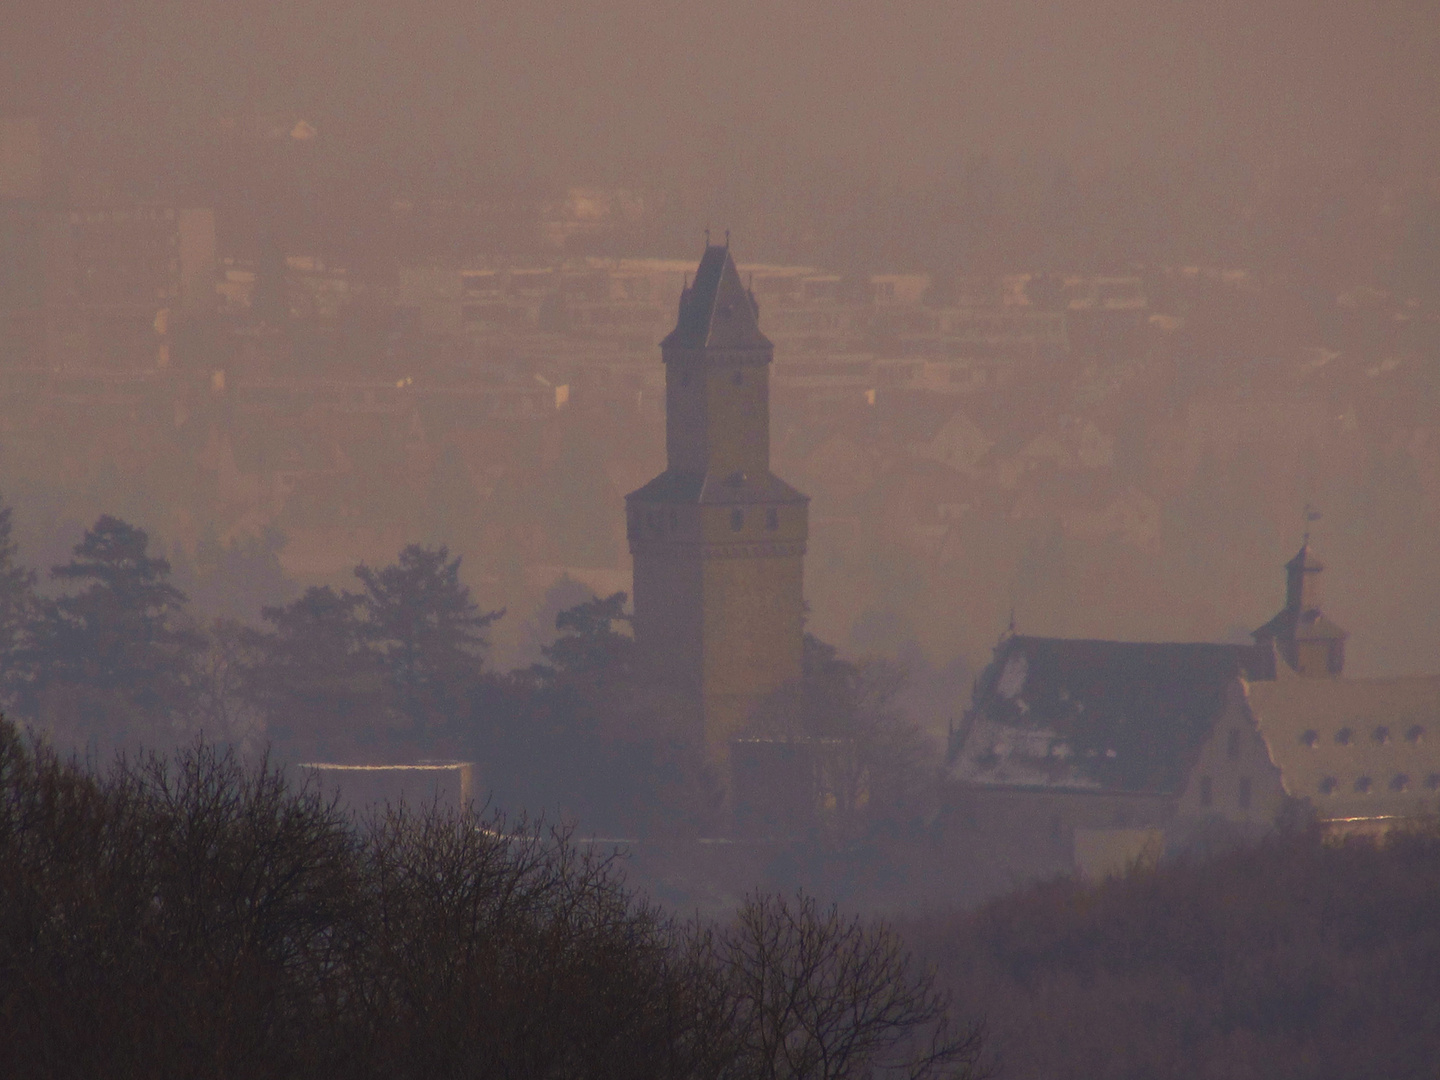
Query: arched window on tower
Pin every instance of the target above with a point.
(737, 519)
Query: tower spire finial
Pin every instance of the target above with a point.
(1311, 515)
(727, 239)
(707, 234)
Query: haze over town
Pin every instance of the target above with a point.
(1048, 359)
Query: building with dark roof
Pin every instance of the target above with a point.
(718, 540)
(1074, 746)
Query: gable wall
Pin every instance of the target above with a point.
(1244, 785)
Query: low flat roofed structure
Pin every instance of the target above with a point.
(360, 788)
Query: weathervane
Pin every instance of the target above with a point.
(1311, 515)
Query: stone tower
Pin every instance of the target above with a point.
(718, 540)
(1302, 636)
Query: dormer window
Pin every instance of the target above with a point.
(1345, 736)
(1309, 738)
(1362, 785)
(1400, 782)
(1328, 784)
(1415, 734)
(1381, 734)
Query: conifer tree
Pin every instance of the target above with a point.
(115, 657)
(315, 678)
(428, 631)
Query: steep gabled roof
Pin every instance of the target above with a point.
(1097, 715)
(717, 311)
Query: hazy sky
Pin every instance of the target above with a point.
(624, 90)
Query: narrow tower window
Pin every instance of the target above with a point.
(1232, 745)
(772, 519)
(1207, 791)
(737, 520)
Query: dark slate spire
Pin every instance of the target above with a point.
(1302, 580)
(717, 311)
(1309, 641)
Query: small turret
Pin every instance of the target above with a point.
(1301, 635)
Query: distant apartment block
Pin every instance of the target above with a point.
(100, 286)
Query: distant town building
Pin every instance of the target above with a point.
(718, 540)
(101, 286)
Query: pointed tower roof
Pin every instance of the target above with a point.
(717, 311)
(1305, 559)
(1301, 617)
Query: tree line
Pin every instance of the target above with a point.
(113, 656)
(110, 657)
(192, 916)
(1303, 957)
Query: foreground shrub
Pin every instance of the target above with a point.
(1293, 958)
(192, 917)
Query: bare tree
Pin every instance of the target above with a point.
(818, 996)
(493, 950)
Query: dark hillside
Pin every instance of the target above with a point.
(1295, 958)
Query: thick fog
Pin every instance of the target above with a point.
(340, 469)
(1196, 249)
(1184, 119)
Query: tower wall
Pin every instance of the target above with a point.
(717, 411)
(739, 419)
(669, 620)
(754, 633)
